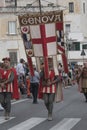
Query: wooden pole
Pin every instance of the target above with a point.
(40, 7)
(46, 68)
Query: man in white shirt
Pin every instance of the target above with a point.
(21, 75)
(20, 68)
(34, 84)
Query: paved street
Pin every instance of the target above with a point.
(71, 114)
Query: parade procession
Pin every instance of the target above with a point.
(43, 38)
(43, 65)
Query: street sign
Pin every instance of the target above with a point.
(83, 53)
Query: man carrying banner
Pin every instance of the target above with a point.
(48, 90)
(42, 30)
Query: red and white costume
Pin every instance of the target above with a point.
(51, 88)
(9, 86)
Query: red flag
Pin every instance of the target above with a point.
(64, 59)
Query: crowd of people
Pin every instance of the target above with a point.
(15, 82)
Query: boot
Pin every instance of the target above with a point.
(50, 116)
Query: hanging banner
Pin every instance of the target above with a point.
(40, 34)
(36, 18)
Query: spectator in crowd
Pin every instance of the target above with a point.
(78, 81)
(27, 80)
(21, 76)
(65, 79)
(34, 84)
(59, 91)
(20, 68)
(70, 76)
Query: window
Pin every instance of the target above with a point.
(75, 46)
(84, 8)
(84, 46)
(71, 7)
(13, 57)
(67, 28)
(12, 27)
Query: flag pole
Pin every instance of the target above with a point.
(40, 7)
(46, 67)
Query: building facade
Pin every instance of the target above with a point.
(75, 23)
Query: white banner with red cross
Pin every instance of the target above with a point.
(43, 36)
(44, 42)
(44, 39)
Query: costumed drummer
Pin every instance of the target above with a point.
(6, 87)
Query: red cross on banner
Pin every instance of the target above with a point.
(44, 36)
(44, 42)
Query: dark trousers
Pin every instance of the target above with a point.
(5, 100)
(48, 100)
(34, 91)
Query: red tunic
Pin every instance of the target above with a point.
(9, 86)
(51, 88)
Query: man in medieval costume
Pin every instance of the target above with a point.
(6, 87)
(48, 90)
(83, 80)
